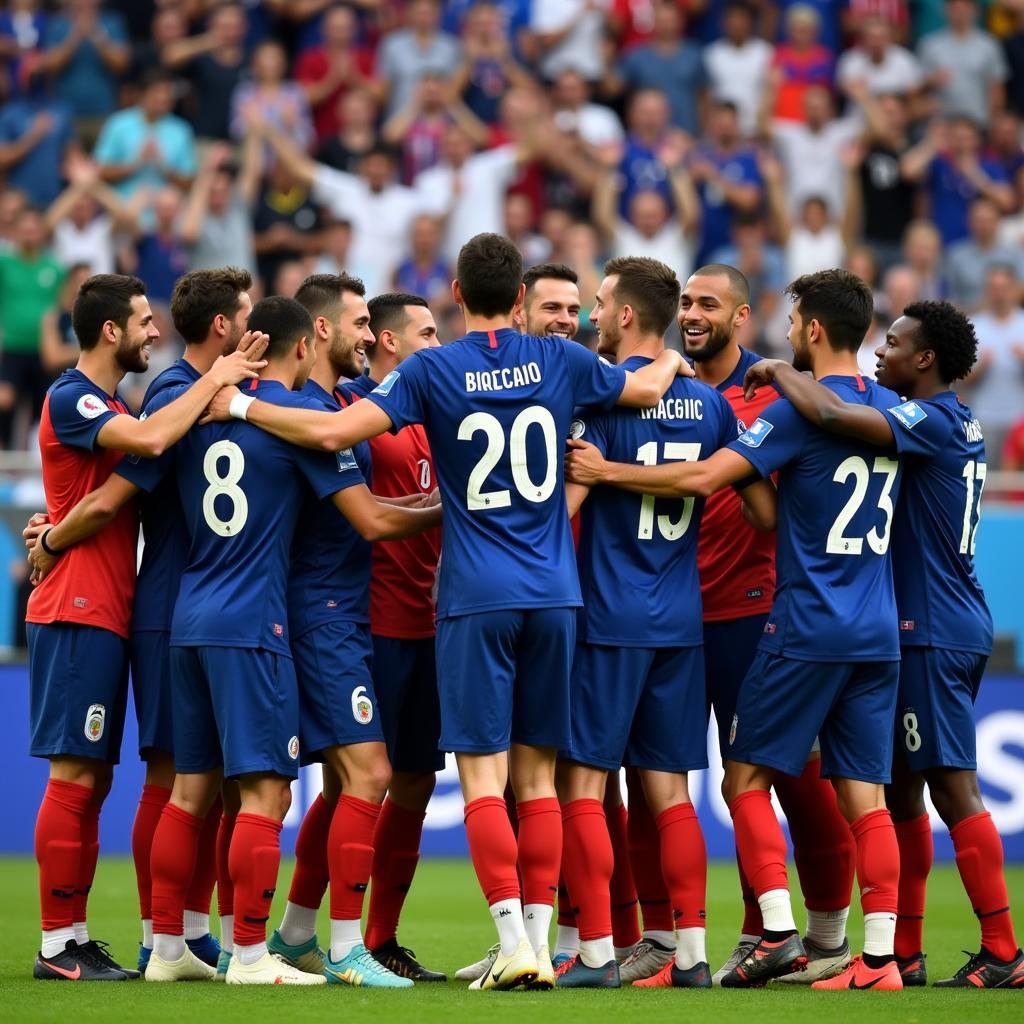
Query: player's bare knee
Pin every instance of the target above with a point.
(740, 778)
(905, 799)
(955, 794)
(412, 790)
(857, 798)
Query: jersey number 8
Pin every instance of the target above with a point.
(226, 486)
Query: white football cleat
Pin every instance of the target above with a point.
(270, 969)
(187, 968)
(473, 971)
(510, 971)
(743, 948)
(822, 964)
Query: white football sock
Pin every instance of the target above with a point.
(666, 939)
(55, 941)
(827, 928)
(147, 932)
(777, 911)
(508, 919)
(169, 947)
(879, 934)
(597, 952)
(567, 941)
(196, 925)
(537, 921)
(227, 932)
(345, 936)
(298, 924)
(81, 932)
(250, 954)
(690, 947)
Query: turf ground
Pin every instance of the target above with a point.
(447, 924)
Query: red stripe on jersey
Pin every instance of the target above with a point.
(254, 383)
(492, 339)
(861, 386)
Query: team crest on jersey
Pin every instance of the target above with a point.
(89, 407)
(906, 625)
(909, 414)
(732, 729)
(770, 628)
(346, 460)
(577, 429)
(95, 718)
(385, 386)
(293, 748)
(755, 434)
(362, 706)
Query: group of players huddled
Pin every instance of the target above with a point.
(367, 569)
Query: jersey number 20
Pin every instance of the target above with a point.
(224, 485)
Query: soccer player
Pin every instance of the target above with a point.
(496, 405)
(79, 614)
(551, 302)
(638, 668)
(737, 571)
(236, 706)
(827, 663)
(945, 624)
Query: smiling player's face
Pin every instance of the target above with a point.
(137, 338)
(554, 308)
(707, 314)
(351, 335)
(898, 356)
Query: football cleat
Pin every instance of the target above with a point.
(670, 976)
(473, 971)
(623, 953)
(307, 957)
(822, 963)
(71, 964)
(520, 968)
(647, 959)
(270, 969)
(579, 975)
(983, 970)
(912, 970)
(857, 974)
(206, 948)
(767, 960)
(145, 952)
(743, 948)
(222, 965)
(545, 971)
(359, 969)
(187, 968)
(403, 962)
(98, 951)
(560, 959)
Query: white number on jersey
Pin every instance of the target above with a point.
(535, 415)
(226, 486)
(838, 543)
(973, 471)
(424, 465)
(670, 529)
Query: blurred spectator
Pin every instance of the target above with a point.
(215, 62)
(58, 345)
(965, 64)
(670, 64)
(596, 125)
(333, 251)
(1004, 145)
(647, 118)
(357, 136)
(22, 30)
(169, 28)
(334, 67)
(570, 34)
(86, 49)
(799, 62)
(1013, 49)
(860, 261)
(425, 272)
(1012, 457)
(829, 14)
(147, 146)
(30, 282)
(520, 217)
(878, 64)
(922, 252)
(406, 55)
(739, 65)
(36, 134)
(969, 260)
(288, 277)
(160, 256)
(554, 226)
(996, 383)
(894, 13)
(583, 253)
(12, 202)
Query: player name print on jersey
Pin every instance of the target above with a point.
(675, 409)
(505, 379)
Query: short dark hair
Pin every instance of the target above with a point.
(387, 312)
(949, 334)
(649, 286)
(738, 283)
(489, 272)
(202, 295)
(284, 320)
(550, 271)
(840, 301)
(320, 294)
(103, 297)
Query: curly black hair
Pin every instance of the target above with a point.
(949, 334)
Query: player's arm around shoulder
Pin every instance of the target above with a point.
(645, 386)
(374, 519)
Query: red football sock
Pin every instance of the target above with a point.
(350, 855)
(566, 911)
(753, 923)
(760, 841)
(147, 817)
(625, 922)
(917, 851)
(878, 862)
(225, 887)
(204, 877)
(89, 859)
(396, 852)
(588, 866)
(492, 847)
(645, 857)
(309, 883)
(540, 849)
(823, 846)
(254, 859)
(172, 863)
(684, 862)
(979, 859)
(58, 842)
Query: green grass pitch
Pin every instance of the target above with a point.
(446, 923)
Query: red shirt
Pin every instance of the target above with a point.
(93, 583)
(311, 67)
(735, 561)
(403, 571)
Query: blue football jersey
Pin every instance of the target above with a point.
(638, 554)
(497, 407)
(242, 491)
(163, 523)
(939, 599)
(330, 570)
(834, 597)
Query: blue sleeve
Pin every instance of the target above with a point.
(328, 473)
(402, 393)
(919, 428)
(77, 412)
(774, 439)
(595, 429)
(146, 474)
(593, 381)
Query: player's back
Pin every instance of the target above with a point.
(497, 406)
(938, 596)
(834, 598)
(638, 555)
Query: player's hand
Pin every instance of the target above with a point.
(584, 464)
(33, 528)
(41, 563)
(218, 411)
(433, 498)
(760, 375)
(244, 363)
(684, 369)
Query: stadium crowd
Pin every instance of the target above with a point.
(283, 137)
